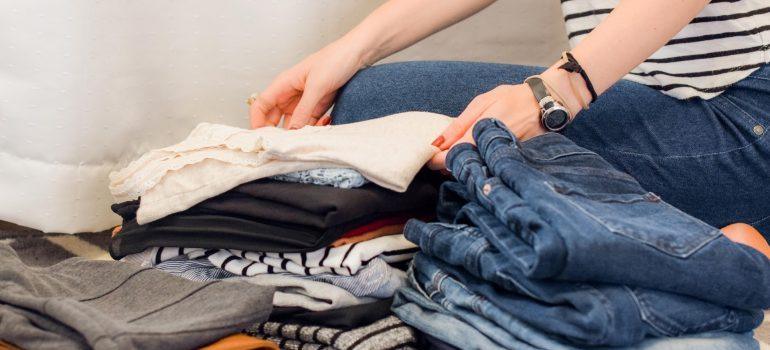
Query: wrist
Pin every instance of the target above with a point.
(567, 85)
(363, 50)
(533, 127)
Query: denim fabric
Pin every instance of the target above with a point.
(440, 325)
(415, 307)
(581, 313)
(565, 213)
(707, 158)
(335, 177)
(459, 327)
(479, 310)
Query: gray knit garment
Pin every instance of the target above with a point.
(388, 333)
(82, 304)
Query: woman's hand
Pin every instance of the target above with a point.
(303, 93)
(514, 105)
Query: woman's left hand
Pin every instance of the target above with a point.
(514, 105)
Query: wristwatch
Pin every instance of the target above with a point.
(553, 115)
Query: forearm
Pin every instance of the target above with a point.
(397, 24)
(629, 35)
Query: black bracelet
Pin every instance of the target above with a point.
(573, 66)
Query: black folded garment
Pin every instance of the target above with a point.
(271, 216)
(349, 317)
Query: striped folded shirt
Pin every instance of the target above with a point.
(388, 333)
(344, 260)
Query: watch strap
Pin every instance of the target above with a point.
(538, 88)
(550, 108)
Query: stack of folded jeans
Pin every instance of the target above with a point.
(542, 244)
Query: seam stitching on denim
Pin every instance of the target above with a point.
(744, 112)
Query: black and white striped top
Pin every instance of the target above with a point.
(725, 43)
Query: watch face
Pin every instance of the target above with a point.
(556, 119)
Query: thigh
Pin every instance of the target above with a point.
(444, 87)
(706, 157)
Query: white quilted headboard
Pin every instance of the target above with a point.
(86, 86)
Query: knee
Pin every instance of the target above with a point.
(747, 235)
(372, 92)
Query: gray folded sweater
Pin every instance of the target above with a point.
(81, 304)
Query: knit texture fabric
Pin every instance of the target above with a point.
(388, 333)
(335, 177)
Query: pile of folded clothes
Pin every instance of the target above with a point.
(347, 237)
(316, 213)
(534, 245)
(544, 245)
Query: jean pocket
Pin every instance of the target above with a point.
(743, 118)
(674, 315)
(644, 218)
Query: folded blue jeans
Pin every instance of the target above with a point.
(463, 326)
(565, 213)
(589, 314)
(412, 305)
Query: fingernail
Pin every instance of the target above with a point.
(438, 141)
(326, 120)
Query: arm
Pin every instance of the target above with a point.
(630, 34)
(303, 93)
(400, 23)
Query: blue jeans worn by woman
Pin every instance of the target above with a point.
(708, 158)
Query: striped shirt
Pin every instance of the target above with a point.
(725, 43)
(387, 333)
(344, 260)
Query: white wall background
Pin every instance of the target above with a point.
(86, 86)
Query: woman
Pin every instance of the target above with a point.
(679, 92)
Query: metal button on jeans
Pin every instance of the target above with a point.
(759, 129)
(486, 189)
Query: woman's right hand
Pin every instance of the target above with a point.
(303, 93)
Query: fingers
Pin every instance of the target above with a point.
(464, 121)
(306, 107)
(274, 117)
(262, 109)
(438, 161)
(468, 136)
(459, 130)
(323, 105)
(265, 109)
(323, 121)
